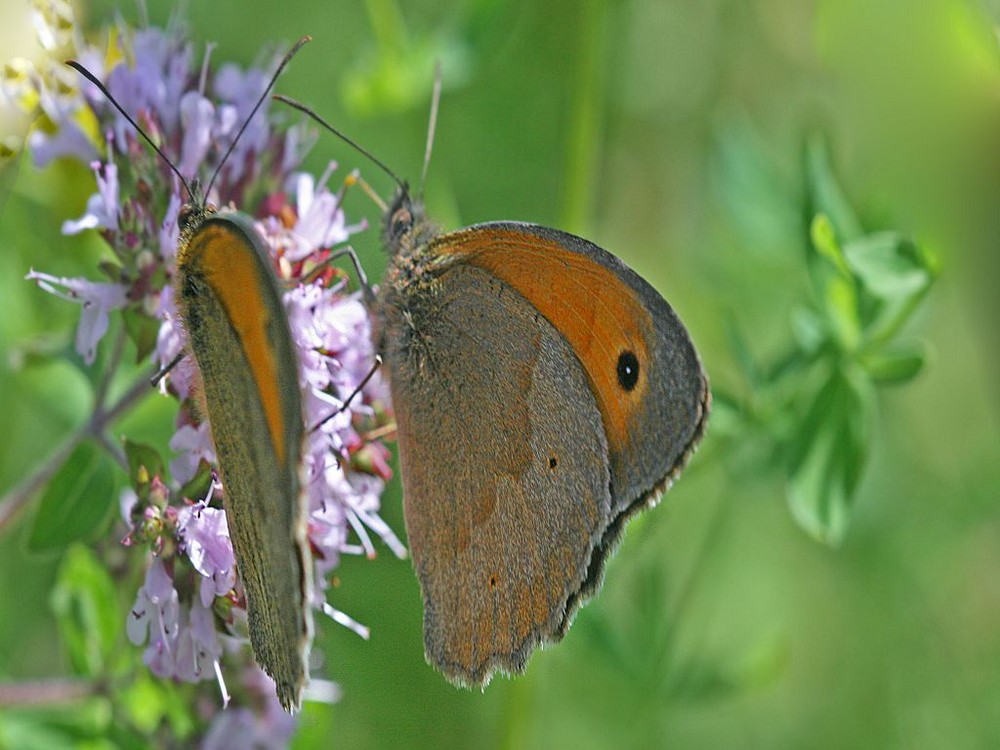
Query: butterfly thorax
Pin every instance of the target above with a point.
(411, 280)
(192, 215)
(408, 235)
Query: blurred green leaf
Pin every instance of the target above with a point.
(397, 74)
(762, 664)
(86, 721)
(829, 453)
(763, 205)
(834, 284)
(21, 730)
(142, 330)
(841, 302)
(82, 724)
(824, 241)
(85, 603)
(889, 265)
(151, 702)
(808, 330)
(895, 366)
(77, 501)
(825, 195)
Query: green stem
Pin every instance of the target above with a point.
(585, 123)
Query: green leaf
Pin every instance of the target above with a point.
(829, 452)
(26, 731)
(197, 487)
(762, 664)
(824, 192)
(144, 463)
(824, 240)
(841, 304)
(834, 284)
(896, 366)
(145, 701)
(808, 330)
(398, 71)
(763, 205)
(85, 603)
(889, 265)
(151, 703)
(76, 503)
(142, 331)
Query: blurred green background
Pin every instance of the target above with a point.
(672, 133)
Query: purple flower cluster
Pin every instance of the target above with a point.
(190, 606)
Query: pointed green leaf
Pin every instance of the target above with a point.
(144, 463)
(85, 603)
(77, 502)
(832, 448)
(197, 487)
(142, 330)
(834, 284)
(825, 194)
(762, 203)
(824, 241)
(897, 366)
(841, 303)
(889, 265)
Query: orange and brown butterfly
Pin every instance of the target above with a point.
(544, 393)
(230, 305)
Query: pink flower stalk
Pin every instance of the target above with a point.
(190, 603)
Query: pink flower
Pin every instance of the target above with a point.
(97, 299)
(102, 206)
(154, 618)
(205, 540)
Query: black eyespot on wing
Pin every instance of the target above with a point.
(553, 462)
(628, 370)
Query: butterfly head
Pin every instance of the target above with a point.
(406, 227)
(195, 210)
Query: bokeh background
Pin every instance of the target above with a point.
(673, 134)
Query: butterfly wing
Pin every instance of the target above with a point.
(543, 393)
(639, 360)
(506, 489)
(231, 308)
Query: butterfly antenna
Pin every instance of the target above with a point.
(431, 125)
(281, 66)
(107, 95)
(349, 141)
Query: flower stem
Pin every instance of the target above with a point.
(46, 692)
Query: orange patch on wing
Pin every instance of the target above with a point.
(599, 315)
(222, 258)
